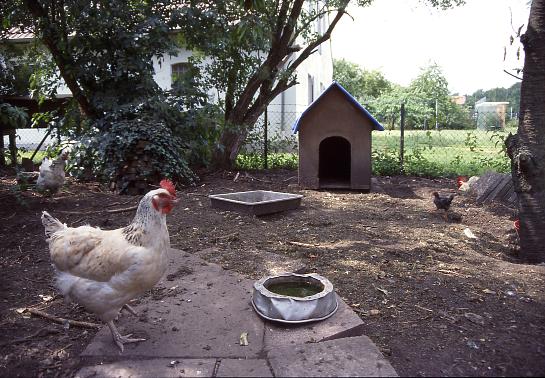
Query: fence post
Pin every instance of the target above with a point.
(436, 114)
(265, 138)
(402, 138)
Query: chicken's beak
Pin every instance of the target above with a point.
(174, 200)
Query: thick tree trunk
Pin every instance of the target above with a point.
(527, 148)
(242, 115)
(232, 139)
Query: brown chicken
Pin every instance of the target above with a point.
(443, 203)
(102, 270)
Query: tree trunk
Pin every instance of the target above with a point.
(231, 140)
(527, 148)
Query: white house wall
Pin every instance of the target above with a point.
(286, 107)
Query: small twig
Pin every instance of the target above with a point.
(515, 76)
(255, 178)
(303, 244)
(236, 177)
(122, 210)
(227, 236)
(423, 308)
(75, 323)
(289, 178)
(445, 271)
(63, 348)
(114, 211)
(29, 337)
(11, 216)
(119, 203)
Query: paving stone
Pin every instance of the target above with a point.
(202, 314)
(196, 314)
(160, 367)
(277, 334)
(349, 357)
(243, 368)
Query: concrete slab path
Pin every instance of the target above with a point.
(193, 320)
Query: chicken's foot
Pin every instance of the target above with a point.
(120, 339)
(129, 309)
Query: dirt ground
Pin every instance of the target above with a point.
(436, 302)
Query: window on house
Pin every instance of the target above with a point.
(179, 70)
(310, 89)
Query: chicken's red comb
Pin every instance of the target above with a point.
(169, 186)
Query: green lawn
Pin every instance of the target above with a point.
(26, 154)
(443, 153)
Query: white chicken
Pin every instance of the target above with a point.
(103, 270)
(52, 175)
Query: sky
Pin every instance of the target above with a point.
(399, 37)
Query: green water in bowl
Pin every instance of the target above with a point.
(294, 289)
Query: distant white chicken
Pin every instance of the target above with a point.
(52, 174)
(103, 270)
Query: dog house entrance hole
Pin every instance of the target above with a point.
(334, 163)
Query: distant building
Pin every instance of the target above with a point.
(458, 100)
(490, 115)
(312, 77)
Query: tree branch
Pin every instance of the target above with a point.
(50, 36)
(515, 76)
(312, 46)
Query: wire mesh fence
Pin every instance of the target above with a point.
(30, 139)
(473, 148)
(427, 150)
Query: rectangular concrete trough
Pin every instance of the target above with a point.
(256, 202)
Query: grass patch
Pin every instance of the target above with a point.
(25, 154)
(254, 161)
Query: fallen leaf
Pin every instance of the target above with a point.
(488, 291)
(469, 233)
(244, 339)
(46, 298)
(383, 291)
(374, 312)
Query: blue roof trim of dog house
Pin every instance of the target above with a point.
(375, 123)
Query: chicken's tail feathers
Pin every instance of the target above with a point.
(51, 224)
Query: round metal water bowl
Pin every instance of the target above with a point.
(294, 298)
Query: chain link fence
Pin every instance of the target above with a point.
(477, 147)
(431, 150)
(30, 139)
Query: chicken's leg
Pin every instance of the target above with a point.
(119, 339)
(445, 215)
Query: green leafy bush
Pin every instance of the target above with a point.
(255, 161)
(385, 163)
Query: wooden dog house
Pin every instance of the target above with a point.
(335, 142)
